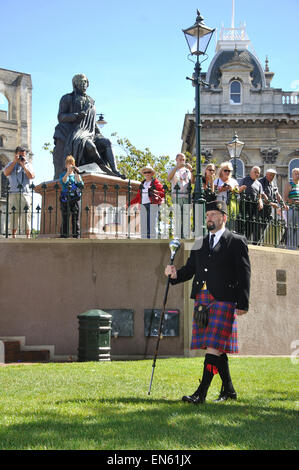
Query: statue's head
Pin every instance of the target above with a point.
(80, 82)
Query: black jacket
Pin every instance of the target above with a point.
(226, 270)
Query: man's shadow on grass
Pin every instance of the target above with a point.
(104, 423)
(230, 405)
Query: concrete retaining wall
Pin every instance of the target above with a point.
(45, 284)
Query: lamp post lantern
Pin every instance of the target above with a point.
(198, 38)
(101, 121)
(234, 149)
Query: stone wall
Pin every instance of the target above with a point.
(16, 123)
(15, 126)
(45, 284)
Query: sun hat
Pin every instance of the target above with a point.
(147, 167)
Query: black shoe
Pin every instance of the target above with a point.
(190, 398)
(226, 395)
(199, 399)
(196, 398)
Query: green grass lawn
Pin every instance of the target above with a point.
(106, 406)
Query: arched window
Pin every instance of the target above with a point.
(235, 92)
(1, 141)
(240, 169)
(293, 164)
(4, 108)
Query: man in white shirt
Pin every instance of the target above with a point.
(181, 177)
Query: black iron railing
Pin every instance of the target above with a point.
(41, 215)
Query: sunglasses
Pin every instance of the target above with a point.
(147, 172)
(210, 169)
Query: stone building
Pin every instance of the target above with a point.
(240, 99)
(15, 116)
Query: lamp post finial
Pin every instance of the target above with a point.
(199, 18)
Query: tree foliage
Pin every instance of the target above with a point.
(47, 146)
(133, 159)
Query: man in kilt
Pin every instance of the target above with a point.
(220, 266)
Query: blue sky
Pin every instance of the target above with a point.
(135, 56)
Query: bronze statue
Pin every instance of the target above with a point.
(77, 133)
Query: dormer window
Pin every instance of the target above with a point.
(235, 92)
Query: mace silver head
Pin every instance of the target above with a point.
(174, 246)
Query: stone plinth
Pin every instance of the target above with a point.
(103, 212)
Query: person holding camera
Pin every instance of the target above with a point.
(19, 173)
(227, 188)
(181, 177)
(70, 196)
(150, 195)
(220, 267)
(208, 181)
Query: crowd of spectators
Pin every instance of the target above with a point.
(255, 206)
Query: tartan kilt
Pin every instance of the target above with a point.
(221, 332)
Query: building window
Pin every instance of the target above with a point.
(4, 108)
(235, 92)
(293, 164)
(1, 141)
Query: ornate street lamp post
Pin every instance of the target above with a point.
(234, 149)
(198, 38)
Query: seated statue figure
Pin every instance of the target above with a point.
(77, 133)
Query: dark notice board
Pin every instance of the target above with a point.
(122, 322)
(170, 324)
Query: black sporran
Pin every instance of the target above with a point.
(201, 315)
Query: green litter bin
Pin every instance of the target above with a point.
(94, 336)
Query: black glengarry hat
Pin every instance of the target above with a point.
(217, 206)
